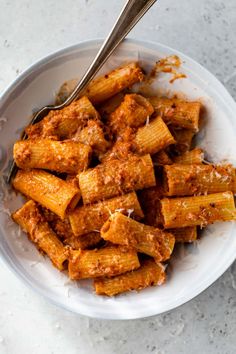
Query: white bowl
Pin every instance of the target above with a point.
(193, 268)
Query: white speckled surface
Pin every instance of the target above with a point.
(205, 30)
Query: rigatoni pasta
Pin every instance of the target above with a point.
(178, 112)
(150, 273)
(110, 84)
(153, 137)
(195, 156)
(62, 124)
(32, 221)
(48, 190)
(134, 111)
(108, 261)
(201, 210)
(116, 177)
(122, 230)
(61, 156)
(180, 180)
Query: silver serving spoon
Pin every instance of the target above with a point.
(131, 13)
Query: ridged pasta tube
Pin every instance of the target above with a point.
(183, 180)
(63, 123)
(107, 261)
(32, 221)
(122, 230)
(195, 156)
(201, 210)
(104, 87)
(116, 177)
(61, 156)
(133, 112)
(48, 190)
(153, 137)
(150, 273)
(178, 112)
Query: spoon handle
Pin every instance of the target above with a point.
(129, 16)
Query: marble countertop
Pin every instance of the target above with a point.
(204, 30)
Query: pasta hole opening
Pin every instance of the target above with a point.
(141, 101)
(65, 264)
(74, 201)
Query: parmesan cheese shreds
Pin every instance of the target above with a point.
(130, 211)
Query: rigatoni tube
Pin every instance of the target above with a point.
(116, 177)
(201, 210)
(63, 123)
(32, 221)
(195, 156)
(108, 261)
(133, 112)
(182, 180)
(122, 230)
(61, 156)
(153, 137)
(48, 190)
(87, 218)
(150, 273)
(112, 83)
(178, 112)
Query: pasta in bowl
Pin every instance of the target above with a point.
(118, 181)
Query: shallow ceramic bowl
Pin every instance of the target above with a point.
(194, 267)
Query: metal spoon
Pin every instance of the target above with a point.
(131, 13)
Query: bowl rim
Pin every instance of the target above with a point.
(218, 86)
